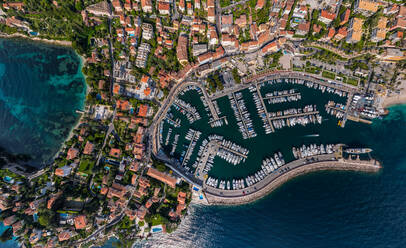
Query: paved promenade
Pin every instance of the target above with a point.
(288, 171)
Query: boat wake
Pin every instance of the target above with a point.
(312, 135)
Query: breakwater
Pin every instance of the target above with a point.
(263, 188)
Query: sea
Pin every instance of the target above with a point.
(321, 209)
(41, 87)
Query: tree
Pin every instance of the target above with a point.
(46, 218)
(6, 235)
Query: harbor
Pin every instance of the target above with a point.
(259, 131)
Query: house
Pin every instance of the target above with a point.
(211, 15)
(355, 30)
(117, 6)
(164, 8)
(397, 36)
(9, 220)
(329, 35)
(260, 4)
(399, 23)
(80, 222)
(64, 235)
(226, 23)
(165, 178)
(115, 152)
(182, 5)
(189, 8)
(63, 171)
(88, 148)
(13, 5)
(345, 17)
(241, 21)
(72, 153)
(146, 6)
(270, 48)
(197, 4)
(366, 7)
(341, 34)
(327, 17)
(302, 28)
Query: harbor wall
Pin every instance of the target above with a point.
(283, 178)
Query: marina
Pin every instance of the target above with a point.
(262, 125)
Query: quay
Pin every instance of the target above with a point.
(273, 75)
(232, 151)
(189, 147)
(263, 105)
(220, 118)
(293, 115)
(215, 196)
(283, 95)
(211, 148)
(240, 113)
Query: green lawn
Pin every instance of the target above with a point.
(86, 166)
(352, 81)
(329, 74)
(313, 70)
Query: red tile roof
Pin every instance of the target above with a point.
(80, 222)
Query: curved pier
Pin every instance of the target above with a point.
(290, 170)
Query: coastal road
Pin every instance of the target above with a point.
(101, 229)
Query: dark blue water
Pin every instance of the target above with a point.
(322, 209)
(41, 86)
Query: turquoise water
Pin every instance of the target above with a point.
(41, 86)
(10, 243)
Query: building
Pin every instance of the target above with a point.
(260, 4)
(379, 32)
(366, 7)
(393, 54)
(341, 33)
(355, 30)
(396, 36)
(142, 55)
(99, 9)
(164, 8)
(302, 28)
(327, 17)
(88, 148)
(199, 49)
(63, 171)
(165, 178)
(72, 153)
(80, 222)
(146, 6)
(345, 17)
(211, 15)
(226, 23)
(147, 31)
(181, 49)
(270, 48)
